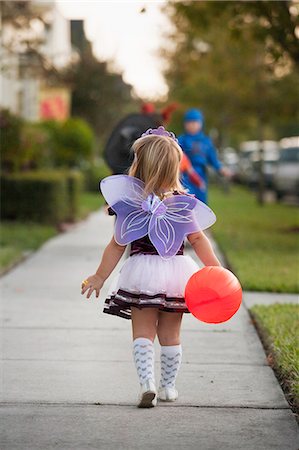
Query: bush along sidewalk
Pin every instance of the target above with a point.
(43, 181)
(93, 174)
(44, 145)
(75, 185)
(18, 239)
(41, 196)
(278, 326)
(36, 206)
(37, 196)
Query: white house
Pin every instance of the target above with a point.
(24, 92)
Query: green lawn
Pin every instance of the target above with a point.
(260, 242)
(90, 201)
(19, 238)
(278, 326)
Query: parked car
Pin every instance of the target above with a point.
(286, 176)
(246, 149)
(249, 157)
(270, 158)
(230, 159)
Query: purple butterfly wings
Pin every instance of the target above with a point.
(166, 222)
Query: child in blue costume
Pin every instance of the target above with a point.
(201, 152)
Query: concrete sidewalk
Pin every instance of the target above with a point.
(69, 382)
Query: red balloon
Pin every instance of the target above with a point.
(213, 294)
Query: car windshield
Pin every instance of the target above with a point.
(290, 154)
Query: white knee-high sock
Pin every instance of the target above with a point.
(171, 358)
(144, 358)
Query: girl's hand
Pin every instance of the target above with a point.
(95, 283)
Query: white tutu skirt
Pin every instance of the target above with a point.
(150, 281)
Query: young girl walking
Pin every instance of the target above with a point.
(154, 214)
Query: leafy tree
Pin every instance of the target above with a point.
(19, 15)
(274, 23)
(98, 95)
(229, 71)
(22, 19)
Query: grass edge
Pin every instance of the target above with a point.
(271, 359)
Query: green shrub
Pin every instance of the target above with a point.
(71, 141)
(34, 146)
(75, 184)
(24, 145)
(10, 140)
(94, 174)
(37, 196)
(36, 149)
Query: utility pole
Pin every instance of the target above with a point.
(261, 173)
(260, 135)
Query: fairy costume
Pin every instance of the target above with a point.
(156, 272)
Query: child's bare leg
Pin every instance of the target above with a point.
(169, 328)
(144, 322)
(144, 329)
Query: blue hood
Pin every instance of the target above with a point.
(194, 114)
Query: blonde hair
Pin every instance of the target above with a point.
(157, 163)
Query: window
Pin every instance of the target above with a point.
(289, 154)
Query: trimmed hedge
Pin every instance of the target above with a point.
(93, 174)
(75, 184)
(41, 196)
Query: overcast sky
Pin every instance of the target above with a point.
(120, 32)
